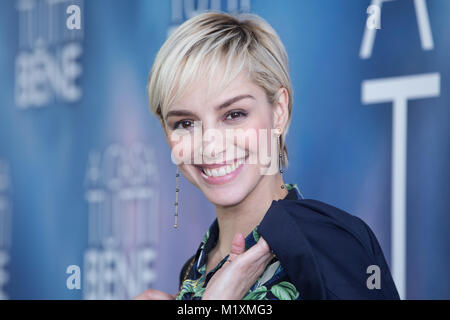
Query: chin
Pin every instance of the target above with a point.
(226, 196)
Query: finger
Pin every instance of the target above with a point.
(264, 259)
(258, 251)
(263, 245)
(261, 267)
(258, 267)
(237, 246)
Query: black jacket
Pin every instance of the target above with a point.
(325, 251)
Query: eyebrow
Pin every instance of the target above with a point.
(220, 107)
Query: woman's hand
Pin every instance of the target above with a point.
(153, 294)
(233, 280)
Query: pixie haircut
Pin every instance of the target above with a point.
(239, 42)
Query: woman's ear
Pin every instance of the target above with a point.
(281, 109)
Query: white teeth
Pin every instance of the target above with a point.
(224, 170)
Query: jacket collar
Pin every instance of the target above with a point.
(210, 238)
(282, 232)
(293, 192)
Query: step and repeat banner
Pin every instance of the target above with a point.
(87, 186)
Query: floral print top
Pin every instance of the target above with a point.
(273, 284)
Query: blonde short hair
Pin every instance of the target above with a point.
(242, 41)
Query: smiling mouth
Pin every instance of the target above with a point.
(222, 171)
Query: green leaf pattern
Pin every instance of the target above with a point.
(256, 234)
(284, 291)
(257, 294)
(192, 286)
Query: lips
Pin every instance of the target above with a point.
(220, 174)
(220, 171)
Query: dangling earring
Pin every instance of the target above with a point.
(176, 199)
(280, 156)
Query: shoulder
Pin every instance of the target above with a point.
(335, 247)
(333, 224)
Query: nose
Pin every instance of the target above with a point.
(213, 144)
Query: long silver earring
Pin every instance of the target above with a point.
(280, 156)
(177, 189)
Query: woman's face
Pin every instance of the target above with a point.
(206, 126)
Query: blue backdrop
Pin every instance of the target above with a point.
(87, 185)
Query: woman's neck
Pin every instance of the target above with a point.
(246, 215)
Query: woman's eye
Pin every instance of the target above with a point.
(185, 124)
(235, 114)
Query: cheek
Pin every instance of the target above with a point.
(262, 132)
(182, 150)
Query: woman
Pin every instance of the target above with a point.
(218, 85)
